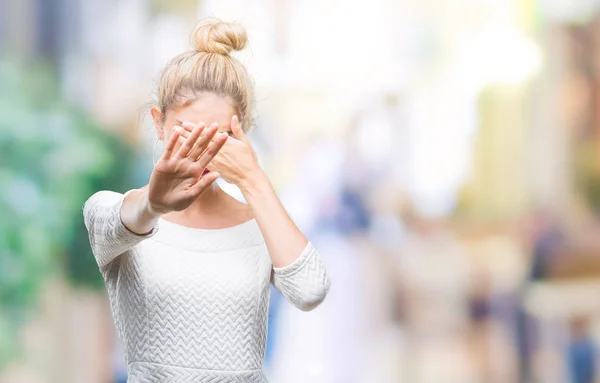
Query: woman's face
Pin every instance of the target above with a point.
(207, 108)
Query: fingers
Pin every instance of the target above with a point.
(204, 141)
(213, 149)
(204, 182)
(171, 144)
(236, 128)
(197, 150)
(187, 146)
(189, 126)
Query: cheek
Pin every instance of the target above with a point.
(167, 126)
(167, 134)
(168, 131)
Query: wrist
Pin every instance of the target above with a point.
(253, 182)
(150, 210)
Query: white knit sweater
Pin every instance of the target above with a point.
(190, 305)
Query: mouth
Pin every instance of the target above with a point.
(205, 172)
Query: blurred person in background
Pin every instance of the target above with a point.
(582, 352)
(186, 265)
(334, 215)
(547, 238)
(480, 313)
(561, 256)
(435, 270)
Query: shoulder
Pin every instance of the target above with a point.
(103, 197)
(101, 200)
(109, 196)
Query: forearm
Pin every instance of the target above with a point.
(137, 214)
(284, 240)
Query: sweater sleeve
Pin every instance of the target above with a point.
(109, 238)
(304, 283)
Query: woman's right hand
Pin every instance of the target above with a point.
(177, 179)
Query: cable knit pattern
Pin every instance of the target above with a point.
(148, 372)
(304, 283)
(108, 236)
(190, 305)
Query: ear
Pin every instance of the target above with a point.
(157, 118)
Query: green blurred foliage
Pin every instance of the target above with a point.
(52, 158)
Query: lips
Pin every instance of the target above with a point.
(205, 172)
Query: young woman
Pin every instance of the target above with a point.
(187, 267)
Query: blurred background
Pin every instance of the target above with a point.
(444, 156)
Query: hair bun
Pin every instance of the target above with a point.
(215, 36)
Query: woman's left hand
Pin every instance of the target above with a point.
(236, 161)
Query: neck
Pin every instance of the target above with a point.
(213, 209)
(209, 202)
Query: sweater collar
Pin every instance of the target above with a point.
(246, 234)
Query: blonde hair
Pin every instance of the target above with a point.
(209, 68)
